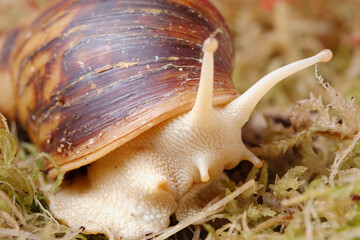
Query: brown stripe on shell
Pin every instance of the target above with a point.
(7, 40)
(7, 98)
(113, 69)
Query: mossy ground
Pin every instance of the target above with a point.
(309, 187)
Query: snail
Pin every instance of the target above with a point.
(138, 96)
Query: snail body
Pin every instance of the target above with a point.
(114, 86)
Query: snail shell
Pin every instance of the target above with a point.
(92, 75)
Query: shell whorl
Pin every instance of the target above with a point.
(92, 75)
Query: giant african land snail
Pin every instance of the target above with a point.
(117, 82)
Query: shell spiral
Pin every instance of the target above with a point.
(92, 75)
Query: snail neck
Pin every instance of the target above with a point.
(203, 150)
(154, 175)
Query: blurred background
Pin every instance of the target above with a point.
(270, 33)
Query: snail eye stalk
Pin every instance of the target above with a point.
(203, 111)
(242, 107)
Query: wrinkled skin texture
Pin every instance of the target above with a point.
(150, 178)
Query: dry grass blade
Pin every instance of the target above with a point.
(9, 220)
(206, 212)
(271, 222)
(19, 234)
(13, 207)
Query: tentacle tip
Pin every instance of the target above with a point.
(258, 164)
(255, 160)
(205, 178)
(210, 44)
(204, 172)
(325, 55)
